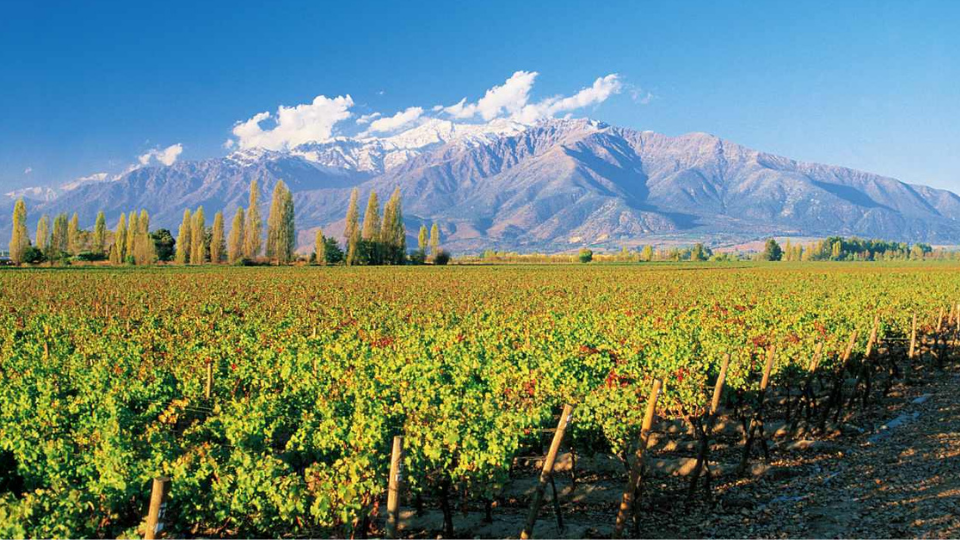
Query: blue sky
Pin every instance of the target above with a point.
(88, 87)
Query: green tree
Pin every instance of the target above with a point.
(235, 243)
(351, 231)
(120, 240)
(58, 240)
(163, 244)
(216, 239)
(43, 233)
(392, 232)
(198, 237)
(320, 248)
(699, 253)
(434, 240)
(73, 235)
(281, 235)
(422, 238)
(133, 230)
(144, 251)
(100, 234)
(771, 251)
(184, 234)
(646, 254)
(585, 255)
(252, 224)
(20, 238)
(374, 246)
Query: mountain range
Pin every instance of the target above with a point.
(550, 186)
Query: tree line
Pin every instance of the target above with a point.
(380, 240)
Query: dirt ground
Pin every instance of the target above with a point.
(891, 471)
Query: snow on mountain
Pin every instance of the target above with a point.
(542, 186)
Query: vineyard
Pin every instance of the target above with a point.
(270, 398)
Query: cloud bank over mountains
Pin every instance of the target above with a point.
(319, 121)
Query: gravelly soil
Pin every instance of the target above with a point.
(864, 481)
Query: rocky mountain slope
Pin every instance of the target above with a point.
(550, 186)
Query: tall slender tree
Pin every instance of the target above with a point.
(184, 234)
(120, 239)
(116, 256)
(398, 232)
(280, 230)
(434, 240)
(58, 240)
(216, 239)
(320, 248)
(145, 252)
(43, 233)
(422, 239)
(235, 244)
(100, 234)
(198, 237)
(351, 229)
(373, 243)
(252, 225)
(133, 230)
(20, 238)
(73, 235)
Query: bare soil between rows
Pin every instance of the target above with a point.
(890, 471)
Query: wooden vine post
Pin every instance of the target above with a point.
(546, 474)
(807, 399)
(155, 514)
(913, 338)
(627, 501)
(836, 394)
(756, 423)
(208, 389)
(705, 429)
(393, 488)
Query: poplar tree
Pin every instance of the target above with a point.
(120, 239)
(280, 228)
(434, 240)
(73, 235)
(392, 232)
(216, 239)
(320, 248)
(253, 224)
(43, 233)
(133, 229)
(647, 254)
(100, 234)
(371, 231)
(115, 255)
(20, 238)
(183, 239)
(351, 230)
(422, 239)
(58, 240)
(145, 251)
(198, 238)
(235, 244)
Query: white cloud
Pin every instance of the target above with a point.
(28, 170)
(397, 121)
(641, 96)
(512, 99)
(296, 125)
(229, 143)
(168, 156)
(509, 98)
(602, 88)
(367, 118)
